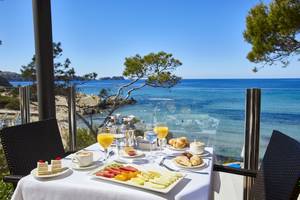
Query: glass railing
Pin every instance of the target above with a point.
(9, 107)
(279, 111)
(62, 115)
(212, 115)
(215, 116)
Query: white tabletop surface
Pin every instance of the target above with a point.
(78, 185)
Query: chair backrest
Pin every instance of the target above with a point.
(279, 171)
(25, 144)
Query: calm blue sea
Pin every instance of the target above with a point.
(213, 110)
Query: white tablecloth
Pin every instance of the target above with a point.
(77, 185)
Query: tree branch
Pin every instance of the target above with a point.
(133, 89)
(125, 86)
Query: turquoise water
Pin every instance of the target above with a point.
(213, 110)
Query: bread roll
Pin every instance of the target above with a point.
(172, 141)
(183, 160)
(179, 144)
(196, 160)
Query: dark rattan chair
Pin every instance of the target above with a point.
(25, 144)
(279, 173)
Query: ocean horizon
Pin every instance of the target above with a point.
(212, 110)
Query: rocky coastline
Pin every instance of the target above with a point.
(4, 82)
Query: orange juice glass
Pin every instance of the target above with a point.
(162, 131)
(105, 140)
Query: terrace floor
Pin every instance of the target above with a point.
(231, 187)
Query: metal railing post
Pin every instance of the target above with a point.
(72, 117)
(252, 127)
(24, 94)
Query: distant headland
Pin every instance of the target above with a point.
(13, 76)
(112, 78)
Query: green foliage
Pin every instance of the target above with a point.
(135, 120)
(272, 31)
(9, 102)
(63, 72)
(14, 91)
(28, 71)
(13, 105)
(84, 138)
(6, 189)
(90, 76)
(3, 164)
(156, 68)
(103, 93)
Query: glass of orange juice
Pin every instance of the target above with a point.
(161, 131)
(105, 139)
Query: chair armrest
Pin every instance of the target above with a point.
(14, 179)
(231, 170)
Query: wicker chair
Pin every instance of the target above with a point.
(279, 173)
(25, 144)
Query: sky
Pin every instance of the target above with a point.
(97, 35)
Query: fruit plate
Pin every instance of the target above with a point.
(34, 173)
(146, 186)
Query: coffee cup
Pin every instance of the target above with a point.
(197, 147)
(83, 158)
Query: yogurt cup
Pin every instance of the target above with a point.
(197, 147)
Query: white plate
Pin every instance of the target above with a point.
(125, 155)
(77, 167)
(176, 149)
(160, 169)
(34, 173)
(204, 153)
(186, 167)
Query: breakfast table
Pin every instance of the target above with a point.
(78, 184)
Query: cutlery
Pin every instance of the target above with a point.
(84, 149)
(111, 153)
(166, 157)
(122, 161)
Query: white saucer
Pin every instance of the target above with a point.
(204, 153)
(91, 166)
(176, 149)
(34, 173)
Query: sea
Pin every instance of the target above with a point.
(211, 110)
